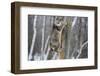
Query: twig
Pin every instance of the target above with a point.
(54, 56)
(46, 55)
(46, 43)
(80, 51)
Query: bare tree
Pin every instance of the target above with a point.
(34, 37)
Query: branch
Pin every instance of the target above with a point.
(46, 43)
(42, 46)
(54, 56)
(46, 55)
(34, 37)
(80, 51)
(73, 24)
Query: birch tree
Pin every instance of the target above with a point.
(34, 37)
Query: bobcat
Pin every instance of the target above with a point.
(56, 40)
